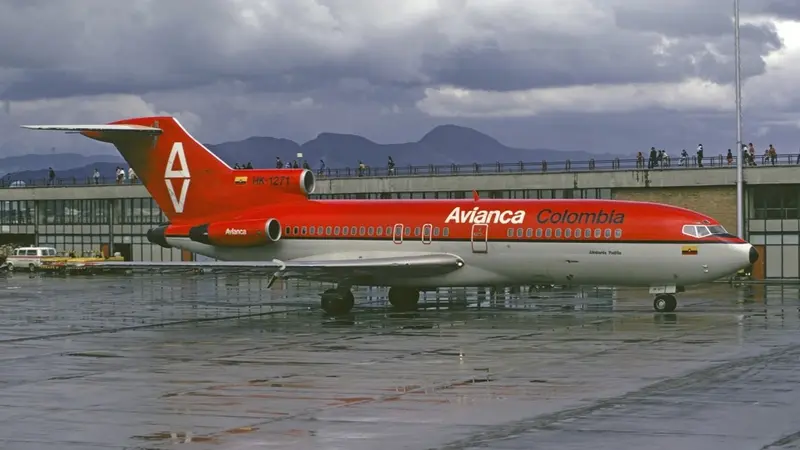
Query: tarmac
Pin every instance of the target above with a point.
(220, 362)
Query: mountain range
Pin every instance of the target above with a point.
(445, 144)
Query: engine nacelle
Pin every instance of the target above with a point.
(243, 233)
(158, 236)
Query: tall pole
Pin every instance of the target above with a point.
(739, 153)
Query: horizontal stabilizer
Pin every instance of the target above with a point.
(128, 128)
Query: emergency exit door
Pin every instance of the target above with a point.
(480, 238)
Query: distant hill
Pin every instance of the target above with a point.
(446, 144)
(58, 161)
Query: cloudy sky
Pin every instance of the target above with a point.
(603, 75)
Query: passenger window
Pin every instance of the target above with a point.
(311, 230)
(319, 229)
(597, 233)
(607, 233)
(336, 231)
(407, 231)
(371, 231)
(288, 230)
(362, 231)
(577, 233)
(548, 232)
(510, 232)
(558, 233)
(587, 233)
(296, 230)
(304, 230)
(379, 231)
(529, 233)
(618, 233)
(388, 230)
(436, 231)
(520, 232)
(567, 232)
(445, 231)
(538, 232)
(416, 231)
(353, 230)
(345, 231)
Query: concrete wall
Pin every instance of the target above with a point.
(537, 180)
(718, 202)
(489, 181)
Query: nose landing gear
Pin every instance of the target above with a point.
(665, 303)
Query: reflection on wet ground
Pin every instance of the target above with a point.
(149, 362)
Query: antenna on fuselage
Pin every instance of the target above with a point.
(475, 196)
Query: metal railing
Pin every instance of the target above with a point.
(616, 164)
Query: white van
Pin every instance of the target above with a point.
(29, 257)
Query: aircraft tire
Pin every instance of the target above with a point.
(404, 298)
(336, 302)
(665, 303)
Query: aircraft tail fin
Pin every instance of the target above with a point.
(185, 178)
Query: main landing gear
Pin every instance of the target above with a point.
(404, 298)
(337, 301)
(340, 300)
(665, 303)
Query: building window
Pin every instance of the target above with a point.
(776, 201)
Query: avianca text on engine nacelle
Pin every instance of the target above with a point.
(243, 233)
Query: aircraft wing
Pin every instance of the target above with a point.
(356, 270)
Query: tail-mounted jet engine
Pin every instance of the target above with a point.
(158, 236)
(243, 233)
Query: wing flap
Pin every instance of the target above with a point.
(362, 269)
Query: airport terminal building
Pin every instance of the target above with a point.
(115, 218)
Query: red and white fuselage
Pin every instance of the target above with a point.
(264, 218)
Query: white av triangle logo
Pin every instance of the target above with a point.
(180, 175)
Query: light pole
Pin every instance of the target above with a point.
(739, 152)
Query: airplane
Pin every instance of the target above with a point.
(264, 218)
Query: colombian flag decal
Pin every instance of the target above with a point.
(689, 250)
(240, 180)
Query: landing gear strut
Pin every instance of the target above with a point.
(665, 303)
(337, 301)
(404, 298)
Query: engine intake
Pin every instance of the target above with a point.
(245, 233)
(308, 182)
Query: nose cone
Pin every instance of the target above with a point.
(753, 255)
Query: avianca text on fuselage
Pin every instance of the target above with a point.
(548, 216)
(477, 215)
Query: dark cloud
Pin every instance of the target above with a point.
(295, 68)
(92, 47)
(789, 9)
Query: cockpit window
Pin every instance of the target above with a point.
(701, 231)
(717, 229)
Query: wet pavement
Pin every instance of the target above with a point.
(221, 362)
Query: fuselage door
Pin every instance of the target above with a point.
(427, 233)
(480, 238)
(397, 233)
